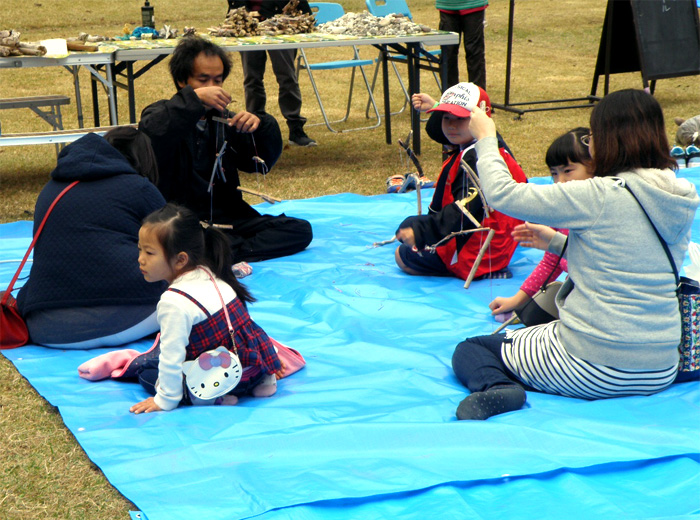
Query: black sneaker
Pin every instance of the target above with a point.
(297, 137)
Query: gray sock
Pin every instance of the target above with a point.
(478, 406)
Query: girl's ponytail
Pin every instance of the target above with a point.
(218, 258)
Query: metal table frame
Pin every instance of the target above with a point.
(411, 46)
(106, 67)
(93, 62)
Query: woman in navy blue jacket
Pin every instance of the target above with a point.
(85, 289)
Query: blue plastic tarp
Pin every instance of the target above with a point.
(367, 430)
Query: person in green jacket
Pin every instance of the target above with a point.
(466, 18)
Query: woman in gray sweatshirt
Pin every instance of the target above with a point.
(619, 324)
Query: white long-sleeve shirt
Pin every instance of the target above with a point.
(176, 317)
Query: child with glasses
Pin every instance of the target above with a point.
(568, 160)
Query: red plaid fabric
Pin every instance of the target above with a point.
(254, 345)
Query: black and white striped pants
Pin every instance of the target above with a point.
(534, 357)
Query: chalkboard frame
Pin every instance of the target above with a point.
(633, 40)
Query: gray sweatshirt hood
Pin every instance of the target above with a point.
(659, 191)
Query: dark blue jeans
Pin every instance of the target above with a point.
(478, 365)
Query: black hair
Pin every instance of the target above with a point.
(178, 229)
(568, 148)
(136, 147)
(182, 60)
(628, 133)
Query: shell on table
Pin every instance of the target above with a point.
(366, 24)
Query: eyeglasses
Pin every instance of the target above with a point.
(586, 139)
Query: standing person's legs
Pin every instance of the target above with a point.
(450, 53)
(290, 95)
(474, 47)
(478, 365)
(254, 63)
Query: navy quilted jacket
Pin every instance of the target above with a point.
(87, 253)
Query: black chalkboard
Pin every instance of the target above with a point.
(660, 38)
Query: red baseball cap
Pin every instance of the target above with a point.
(457, 100)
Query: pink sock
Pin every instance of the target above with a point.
(106, 365)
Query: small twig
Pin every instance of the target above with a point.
(217, 226)
(432, 248)
(264, 196)
(384, 242)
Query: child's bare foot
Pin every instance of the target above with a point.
(267, 386)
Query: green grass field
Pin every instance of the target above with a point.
(43, 471)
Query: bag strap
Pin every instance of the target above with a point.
(31, 246)
(561, 255)
(223, 305)
(663, 242)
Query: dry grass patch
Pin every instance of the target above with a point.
(44, 473)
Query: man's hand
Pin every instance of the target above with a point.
(406, 236)
(244, 122)
(146, 406)
(213, 97)
(422, 102)
(533, 235)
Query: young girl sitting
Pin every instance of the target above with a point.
(568, 159)
(196, 263)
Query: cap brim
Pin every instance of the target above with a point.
(455, 110)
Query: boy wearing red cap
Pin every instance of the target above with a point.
(425, 249)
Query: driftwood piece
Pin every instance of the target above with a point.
(9, 42)
(9, 38)
(31, 49)
(78, 46)
(12, 46)
(292, 8)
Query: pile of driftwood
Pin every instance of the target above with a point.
(240, 22)
(11, 46)
(290, 21)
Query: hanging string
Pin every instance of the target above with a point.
(218, 168)
(259, 163)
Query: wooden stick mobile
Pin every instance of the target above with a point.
(490, 232)
(259, 162)
(462, 205)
